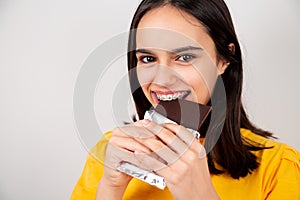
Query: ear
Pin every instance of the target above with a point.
(223, 64)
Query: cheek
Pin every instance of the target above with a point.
(145, 77)
(146, 74)
(201, 92)
(145, 89)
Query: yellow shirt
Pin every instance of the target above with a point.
(277, 177)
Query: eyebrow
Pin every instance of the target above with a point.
(178, 50)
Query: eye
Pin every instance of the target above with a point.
(185, 58)
(147, 59)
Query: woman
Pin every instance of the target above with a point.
(244, 163)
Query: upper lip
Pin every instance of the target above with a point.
(169, 92)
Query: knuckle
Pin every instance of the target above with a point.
(156, 145)
(112, 140)
(115, 131)
(190, 156)
(125, 130)
(132, 142)
(159, 130)
(166, 135)
(181, 172)
(181, 128)
(184, 168)
(176, 178)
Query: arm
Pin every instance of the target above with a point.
(107, 192)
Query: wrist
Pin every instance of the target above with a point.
(210, 193)
(107, 191)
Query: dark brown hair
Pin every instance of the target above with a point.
(231, 152)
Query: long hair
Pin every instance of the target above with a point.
(231, 151)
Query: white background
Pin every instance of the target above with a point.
(43, 44)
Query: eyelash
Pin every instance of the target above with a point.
(145, 57)
(191, 57)
(153, 59)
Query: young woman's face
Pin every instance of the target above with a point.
(176, 57)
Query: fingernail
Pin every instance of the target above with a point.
(146, 122)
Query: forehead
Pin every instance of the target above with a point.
(168, 28)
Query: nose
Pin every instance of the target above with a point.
(165, 76)
(160, 73)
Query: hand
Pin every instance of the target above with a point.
(187, 172)
(123, 146)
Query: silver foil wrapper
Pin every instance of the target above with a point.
(154, 116)
(144, 175)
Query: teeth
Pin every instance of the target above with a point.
(181, 95)
(171, 97)
(175, 96)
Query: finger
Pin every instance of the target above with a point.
(116, 155)
(181, 132)
(161, 150)
(129, 144)
(196, 149)
(172, 174)
(132, 130)
(148, 162)
(195, 153)
(168, 137)
(175, 172)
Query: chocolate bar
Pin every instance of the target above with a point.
(186, 113)
(189, 114)
(154, 116)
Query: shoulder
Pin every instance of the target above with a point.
(274, 150)
(279, 169)
(277, 160)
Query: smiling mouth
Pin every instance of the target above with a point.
(170, 96)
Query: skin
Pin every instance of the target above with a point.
(191, 70)
(165, 71)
